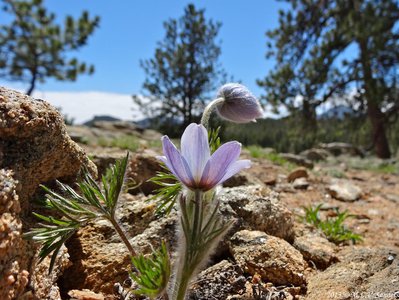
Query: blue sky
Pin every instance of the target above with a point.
(129, 31)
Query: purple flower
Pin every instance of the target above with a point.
(194, 166)
(239, 105)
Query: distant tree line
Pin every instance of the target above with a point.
(286, 134)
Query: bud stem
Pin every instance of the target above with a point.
(208, 111)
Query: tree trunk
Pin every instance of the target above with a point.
(380, 140)
(32, 84)
(372, 93)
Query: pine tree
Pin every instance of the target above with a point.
(184, 68)
(33, 47)
(332, 49)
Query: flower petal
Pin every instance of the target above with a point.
(175, 162)
(195, 149)
(219, 163)
(236, 167)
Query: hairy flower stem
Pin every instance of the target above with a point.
(208, 111)
(202, 230)
(122, 235)
(191, 254)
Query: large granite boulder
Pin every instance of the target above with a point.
(34, 149)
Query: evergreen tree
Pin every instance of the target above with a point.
(33, 47)
(184, 68)
(332, 49)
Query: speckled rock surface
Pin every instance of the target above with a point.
(218, 282)
(143, 166)
(257, 208)
(270, 257)
(34, 149)
(363, 273)
(315, 248)
(13, 262)
(34, 143)
(344, 190)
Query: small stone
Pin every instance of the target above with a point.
(392, 197)
(300, 183)
(315, 154)
(270, 180)
(85, 295)
(390, 258)
(344, 190)
(298, 173)
(297, 159)
(10, 279)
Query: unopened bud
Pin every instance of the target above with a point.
(239, 105)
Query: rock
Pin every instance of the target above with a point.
(78, 138)
(14, 263)
(297, 159)
(99, 257)
(344, 190)
(117, 125)
(315, 248)
(270, 257)
(392, 197)
(362, 273)
(44, 284)
(143, 166)
(270, 180)
(105, 158)
(237, 180)
(32, 138)
(34, 149)
(218, 282)
(85, 295)
(343, 148)
(285, 187)
(315, 154)
(99, 260)
(300, 172)
(256, 208)
(300, 183)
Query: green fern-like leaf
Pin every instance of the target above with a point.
(168, 192)
(52, 236)
(214, 139)
(77, 208)
(152, 273)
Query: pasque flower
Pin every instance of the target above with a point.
(239, 105)
(194, 166)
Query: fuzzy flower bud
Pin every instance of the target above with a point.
(239, 105)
